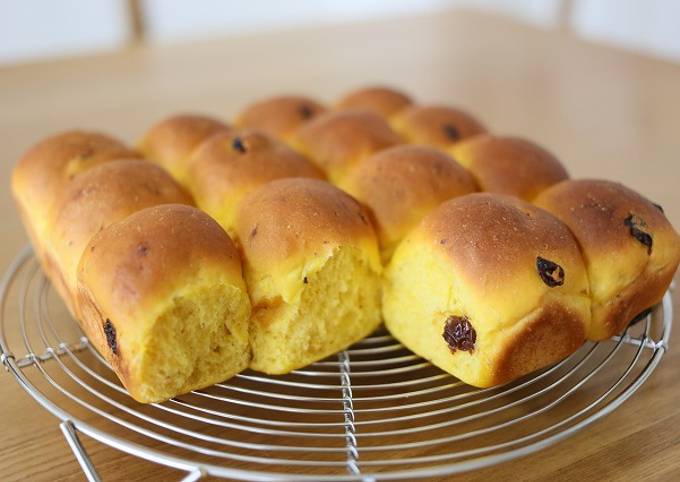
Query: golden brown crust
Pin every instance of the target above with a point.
(494, 233)
(630, 248)
(99, 197)
(131, 266)
(47, 167)
(151, 252)
(279, 116)
(509, 165)
(403, 183)
(554, 333)
(646, 291)
(93, 321)
(382, 100)
(336, 141)
(596, 210)
(231, 164)
(436, 125)
(489, 288)
(291, 217)
(58, 280)
(31, 229)
(170, 142)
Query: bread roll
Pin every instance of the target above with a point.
(170, 142)
(337, 141)
(508, 165)
(279, 116)
(46, 168)
(488, 288)
(384, 101)
(229, 165)
(95, 199)
(313, 272)
(435, 125)
(630, 248)
(402, 184)
(163, 300)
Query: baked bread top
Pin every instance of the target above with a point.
(382, 100)
(435, 125)
(337, 141)
(163, 300)
(509, 165)
(489, 288)
(289, 228)
(100, 196)
(170, 142)
(291, 218)
(495, 242)
(279, 116)
(137, 261)
(629, 247)
(45, 169)
(401, 184)
(229, 165)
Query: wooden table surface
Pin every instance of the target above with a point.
(604, 112)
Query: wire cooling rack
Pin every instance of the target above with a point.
(372, 412)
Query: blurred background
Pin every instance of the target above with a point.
(39, 29)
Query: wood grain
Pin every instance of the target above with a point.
(605, 113)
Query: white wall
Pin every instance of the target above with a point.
(34, 29)
(173, 19)
(31, 29)
(648, 26)
(177, 19)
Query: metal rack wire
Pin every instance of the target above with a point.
(373, 412)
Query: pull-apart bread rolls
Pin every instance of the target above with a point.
(229, 165)
(279, 116)
(313, 272)
(488, 288)
(95, 199)
(509, 165)
(170, 142)
(337, 141)
(48, 167)
(435, 125)
(384, 101)
(163, 300)
(630, 249)
(402, 184)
